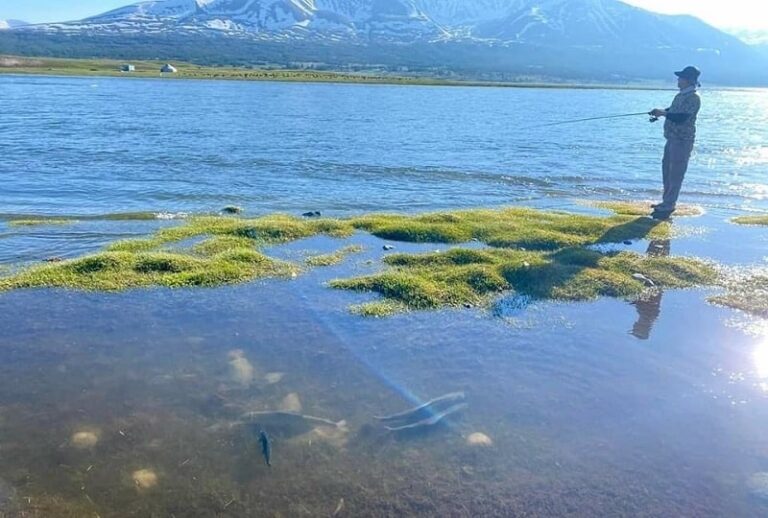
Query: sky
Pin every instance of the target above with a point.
(731, 14)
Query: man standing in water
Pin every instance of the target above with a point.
(680, 132)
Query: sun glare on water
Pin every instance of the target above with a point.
(760, 359)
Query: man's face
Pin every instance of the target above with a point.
(683, 83)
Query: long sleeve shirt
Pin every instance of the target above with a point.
(681, 116)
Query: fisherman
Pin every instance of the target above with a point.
(680, 132)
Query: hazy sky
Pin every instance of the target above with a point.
(746, 14)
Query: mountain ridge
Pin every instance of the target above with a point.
(585, 38)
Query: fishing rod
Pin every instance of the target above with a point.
(652, 119)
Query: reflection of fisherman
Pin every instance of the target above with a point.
(649, 306)
(680, 132)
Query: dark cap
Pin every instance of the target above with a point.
(690, 73)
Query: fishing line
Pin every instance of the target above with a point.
(573, 121)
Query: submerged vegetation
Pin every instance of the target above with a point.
(539, 254)
(39, 222)
(334, 258)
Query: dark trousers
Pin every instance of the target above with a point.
(674, 165)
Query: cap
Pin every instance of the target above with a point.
(690, 72)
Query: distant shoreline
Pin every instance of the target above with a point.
(61, 67)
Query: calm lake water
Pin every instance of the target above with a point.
(607, 408)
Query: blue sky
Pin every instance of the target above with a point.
(736, 14)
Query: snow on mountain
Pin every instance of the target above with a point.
(462, 13)
(751, 37)
(584, 23)
(148, 10)
(583, 36)
(369, 20)
(11, 24)
(574, 23)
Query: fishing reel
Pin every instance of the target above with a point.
(652, 118)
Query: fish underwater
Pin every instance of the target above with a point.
(266, 447)
(428, 414)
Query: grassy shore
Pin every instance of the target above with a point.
(151, 69)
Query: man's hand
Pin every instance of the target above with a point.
(657, 112)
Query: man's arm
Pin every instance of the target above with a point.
(688, 109)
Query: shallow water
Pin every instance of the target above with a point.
(656, 408)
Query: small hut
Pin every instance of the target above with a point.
(128, 68)
(168, 69)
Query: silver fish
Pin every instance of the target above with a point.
(288, 424)
(429, 421)
(426, 409)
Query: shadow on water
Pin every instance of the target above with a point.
(638, 228)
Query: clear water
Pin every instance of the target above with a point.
(657, 408)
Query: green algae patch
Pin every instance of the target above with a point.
(631, 208)
(114, 271)
(272, 229)
(474, 277)
(751, 220)
(747, 293)
(40, 222)
(335, 258)
(540, 253)
(511, 228)
(134, 245)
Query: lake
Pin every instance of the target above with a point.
(131, 404)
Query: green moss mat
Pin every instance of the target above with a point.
(749, 293)
(627, 208)
(751, 220)
(512, 228)
(542, 254)
(110, 271)
(470, 277)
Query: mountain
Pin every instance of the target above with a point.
(11, 24)
(399, 21)
(604, 40)
(751, 36)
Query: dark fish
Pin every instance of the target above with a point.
(266, 447)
